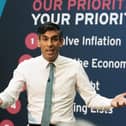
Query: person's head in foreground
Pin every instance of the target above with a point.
(78, 123)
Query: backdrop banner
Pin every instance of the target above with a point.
(94, 34)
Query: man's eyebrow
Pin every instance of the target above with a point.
(51, 36)
(55, 36)
(44, 36)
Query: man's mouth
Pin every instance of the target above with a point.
(50, 51)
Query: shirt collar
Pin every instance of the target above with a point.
(45, 63)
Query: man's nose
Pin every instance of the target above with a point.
(50, 42)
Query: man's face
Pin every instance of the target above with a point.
(50, 43)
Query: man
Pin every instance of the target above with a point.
(69, 77)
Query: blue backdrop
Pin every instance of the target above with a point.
(94, 34)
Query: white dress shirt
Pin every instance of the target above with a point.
(69, 77)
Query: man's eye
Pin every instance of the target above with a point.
(55, 38)
(44, 39)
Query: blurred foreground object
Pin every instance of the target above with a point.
(78, 123)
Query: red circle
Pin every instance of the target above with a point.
(6, 123)
(15, 108)
(31, 41)
(24, 57)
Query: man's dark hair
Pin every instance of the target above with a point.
(48, 26)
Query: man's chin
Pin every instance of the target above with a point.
(51, 58)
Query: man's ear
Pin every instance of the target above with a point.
(61, 46)
(61, 43)
(38, 43)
